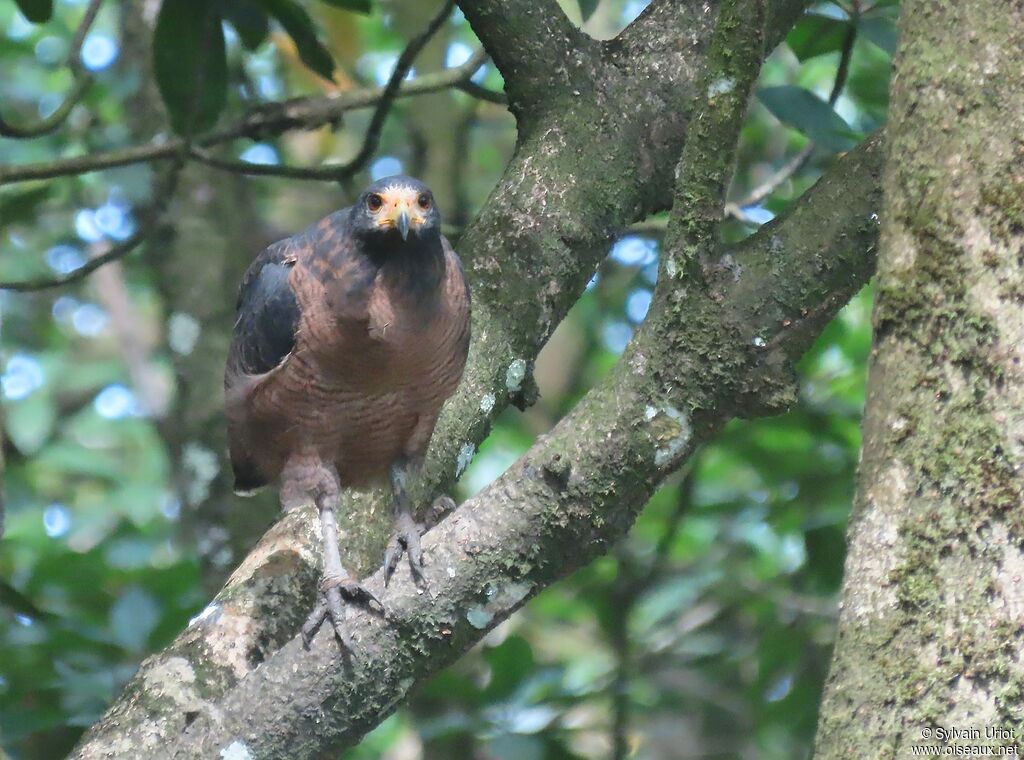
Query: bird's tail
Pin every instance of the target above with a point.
(249, 481)
(247, 493)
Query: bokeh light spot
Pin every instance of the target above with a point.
(261, 153)
(56, 520)
(637, 304)
(22, 375)
(86, 227)
(98, 52)
(64, 258)
(114, 402)
(385, 166)
(89, 320)
(458, 53)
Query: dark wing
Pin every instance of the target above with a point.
(267, 313)
(461, 292)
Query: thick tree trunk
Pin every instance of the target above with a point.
(931, 631)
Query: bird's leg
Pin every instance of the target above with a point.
(407, 529)
(336, 584)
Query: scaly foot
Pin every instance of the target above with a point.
(407, 537)
(333, 590)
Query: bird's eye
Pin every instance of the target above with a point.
(424, 201)
(374, 202)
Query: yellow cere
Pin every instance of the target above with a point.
(399, 198)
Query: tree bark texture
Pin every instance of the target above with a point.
(932, 623)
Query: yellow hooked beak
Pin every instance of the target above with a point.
(400, 218)
(400, 210)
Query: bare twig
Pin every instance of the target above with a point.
(112, 159)
(619, 687)
(797, 162)
(793, 601)
(649, 227)
(325, 173)
(843, 71)
(130, 329)
(118, 251)
(82, 81)
(470, 87)
(338, 172)
(265, 121)
(387, 97)
(770, 185)
(162, 194)
(684, 503)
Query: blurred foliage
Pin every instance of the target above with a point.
(706, 633)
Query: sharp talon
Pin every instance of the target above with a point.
(337, 613)
(313, 623)
(406, 539)
(412, 545)
(391, 557)
(356, 592)
(334, 590)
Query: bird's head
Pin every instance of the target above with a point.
(396, 210)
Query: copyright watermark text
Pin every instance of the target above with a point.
(951, 741)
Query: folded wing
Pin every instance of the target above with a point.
(267, 313)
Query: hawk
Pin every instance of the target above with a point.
(349, 338)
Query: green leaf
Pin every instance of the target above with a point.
(808, 113)
(509, 662)
(358, 6)
(72, 459)
(12, 599)
(587, 8)
(21, 206)
(36, 11)
(250, 21)
(881, 31)
(868, 83)
(816, 35)
(189, 55)
(300, 28)
(30, 422)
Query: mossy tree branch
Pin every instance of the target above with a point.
(536, 48)
(238, 673)
(562, 504)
